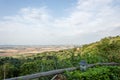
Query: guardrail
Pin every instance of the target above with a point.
(58, 71)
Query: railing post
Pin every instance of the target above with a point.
(83, 65)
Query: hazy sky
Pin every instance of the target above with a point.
(55, 22)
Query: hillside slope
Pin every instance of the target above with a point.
(105, 50)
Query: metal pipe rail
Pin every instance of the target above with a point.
(58, 71)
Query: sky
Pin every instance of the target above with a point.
(58, 22)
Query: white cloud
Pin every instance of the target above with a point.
(89, 21)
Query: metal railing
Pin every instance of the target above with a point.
(58, 71)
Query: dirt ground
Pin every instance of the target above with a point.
(16, 51)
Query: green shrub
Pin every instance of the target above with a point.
(99, 73)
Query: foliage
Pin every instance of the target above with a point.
(99, 73)
(105, 50)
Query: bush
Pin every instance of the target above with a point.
(99, 73)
